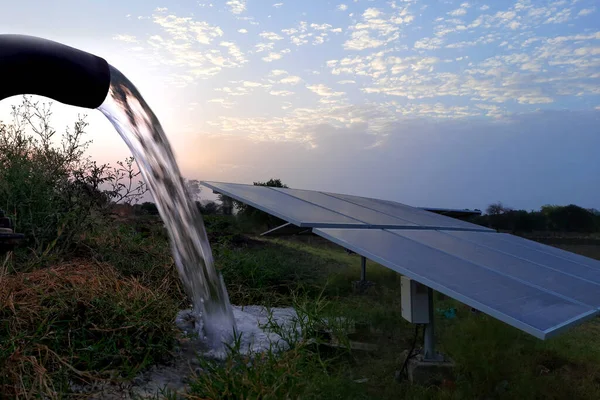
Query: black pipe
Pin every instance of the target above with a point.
(31, 65)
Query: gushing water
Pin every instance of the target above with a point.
(141, 130)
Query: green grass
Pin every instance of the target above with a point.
(493, 359)
(112, 315)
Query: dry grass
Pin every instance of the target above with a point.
(78, 320)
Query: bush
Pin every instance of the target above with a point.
(50, 188)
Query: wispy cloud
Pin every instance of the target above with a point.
(324, 91)
(586, 11)
(270, 36)
(236, 6)
(275, 56)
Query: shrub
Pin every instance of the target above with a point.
(48, 185)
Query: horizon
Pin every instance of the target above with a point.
(448, 104)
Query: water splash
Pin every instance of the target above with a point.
(141, 130)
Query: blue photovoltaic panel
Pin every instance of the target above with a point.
(590, 262)
(509, 245)
(289, 208)
(360, 213)
(559, 281)
(508, 288)
(412, 214)
(307, 208)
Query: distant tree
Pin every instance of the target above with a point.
(496, 209)
(571, 218)
(193, 188)
(272, 183)
(208, 208)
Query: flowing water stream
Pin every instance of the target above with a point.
(141, 130)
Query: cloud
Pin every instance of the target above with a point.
(560, 17)
(291, 80)
(234, 51)
(458, 12)
(586, 11)
(342, 7)
(272, 57)
(191, 49)
(270, 36)
(260, 47)
(429, 43)
(281, 93)
(236, 6)
(242, 30)
(187, 29)
(324, 91)
(275, 56)
(251, 84)
(278, 72)
(277, 5)
(377, 28)
(361, 40)
(346, 82)
(304, 32)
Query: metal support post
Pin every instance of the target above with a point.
(363, 269)
(429, 340)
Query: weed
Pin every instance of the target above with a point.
(78, 321)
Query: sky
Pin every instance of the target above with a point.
(453, 104)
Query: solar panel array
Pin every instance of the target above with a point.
(539, 289)
(314, 209)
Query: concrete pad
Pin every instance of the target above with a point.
(429, 372)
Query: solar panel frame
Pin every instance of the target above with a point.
(580, 312)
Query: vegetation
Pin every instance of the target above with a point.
(550, 218)
(91, 296)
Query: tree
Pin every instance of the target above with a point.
(272, 183)
(208, 208)
(571, 218)
(496, 209)
(193, 188)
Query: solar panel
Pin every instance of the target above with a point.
(307, 208)
(531, 293)
(363, 214)
(412, 214)
(281, 205)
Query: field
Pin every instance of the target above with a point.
(105, 314)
